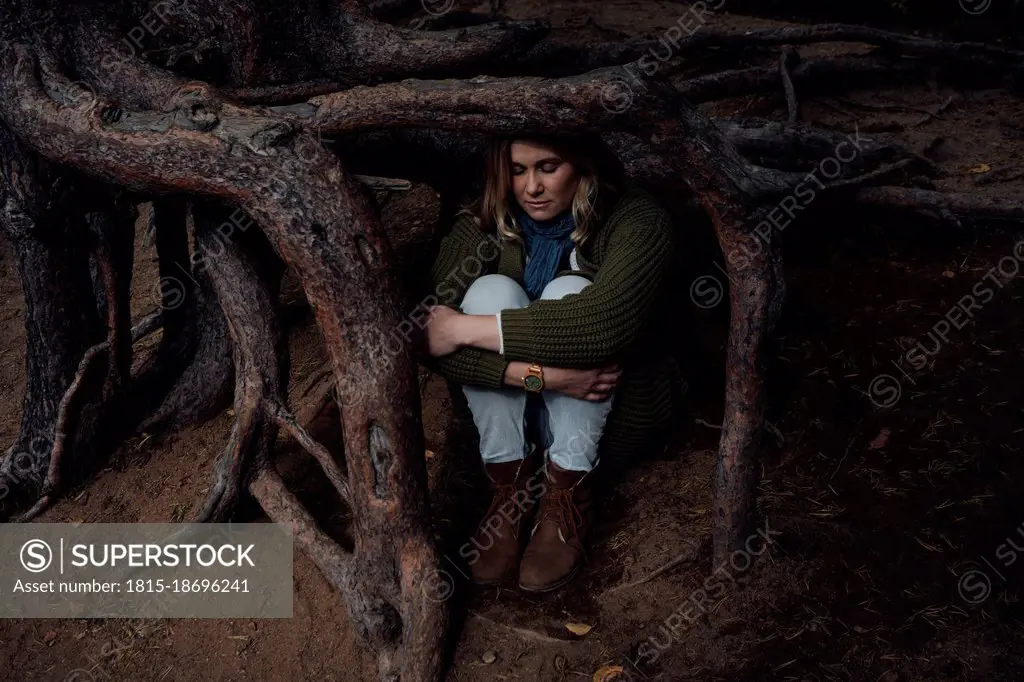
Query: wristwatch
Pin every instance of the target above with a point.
(533, 381)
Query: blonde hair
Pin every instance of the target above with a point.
(598, 178)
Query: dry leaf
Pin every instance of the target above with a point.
(607, 673)
(981, 168)
(948, 273)
(880, 440)
(429, 454)
(578, 628)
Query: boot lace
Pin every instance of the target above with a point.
(558, 507)
(503, 492)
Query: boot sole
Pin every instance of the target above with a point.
(554, 586)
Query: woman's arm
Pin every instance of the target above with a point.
(449, 330)
(487, 368)
(585, 384)
(465, 249)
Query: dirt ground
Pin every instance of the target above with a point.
(890, 492)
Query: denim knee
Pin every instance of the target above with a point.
(491, 294)
(564, 285)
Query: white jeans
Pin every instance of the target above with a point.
(569, 428)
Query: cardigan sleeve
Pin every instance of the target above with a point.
(593, 327)
(465, 244)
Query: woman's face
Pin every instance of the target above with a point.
(543, 182)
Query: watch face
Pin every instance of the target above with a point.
(532, 383)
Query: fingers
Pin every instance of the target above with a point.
(596, 397)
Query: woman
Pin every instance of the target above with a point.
(558, 271)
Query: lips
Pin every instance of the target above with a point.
(538, 204)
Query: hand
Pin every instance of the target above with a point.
(586, 384)
(441, 331)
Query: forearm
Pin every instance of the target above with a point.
(473, 367)
(478, 331)
(515, 372)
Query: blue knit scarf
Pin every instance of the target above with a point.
(547, 244)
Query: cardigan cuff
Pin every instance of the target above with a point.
(517, 338)
(490, 370)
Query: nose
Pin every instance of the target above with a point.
(533, 185)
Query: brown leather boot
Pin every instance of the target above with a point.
(555, 552)
(493, 551)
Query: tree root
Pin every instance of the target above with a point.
(964, 206)
(52, 484)
(197, 360)
(817, 75)
(347, 39)
(789, 59)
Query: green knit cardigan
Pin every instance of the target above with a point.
(627, 257)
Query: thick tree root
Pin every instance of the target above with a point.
(249, 310)
(961, 205)
(347, 39)
(197, 359)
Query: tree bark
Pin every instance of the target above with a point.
(42, 220)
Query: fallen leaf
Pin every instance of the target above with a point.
(429, 454)
(607, 673)
(578, 628)
(880, 440)
(980, 168)
(948, 273)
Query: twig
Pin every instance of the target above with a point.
(789, 59)
(651, 576)
(522, 632)
(879, 107)
(866, 177)
(929, 114)
(386, 184)
(848, 446)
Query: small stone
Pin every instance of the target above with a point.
(489, 657)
